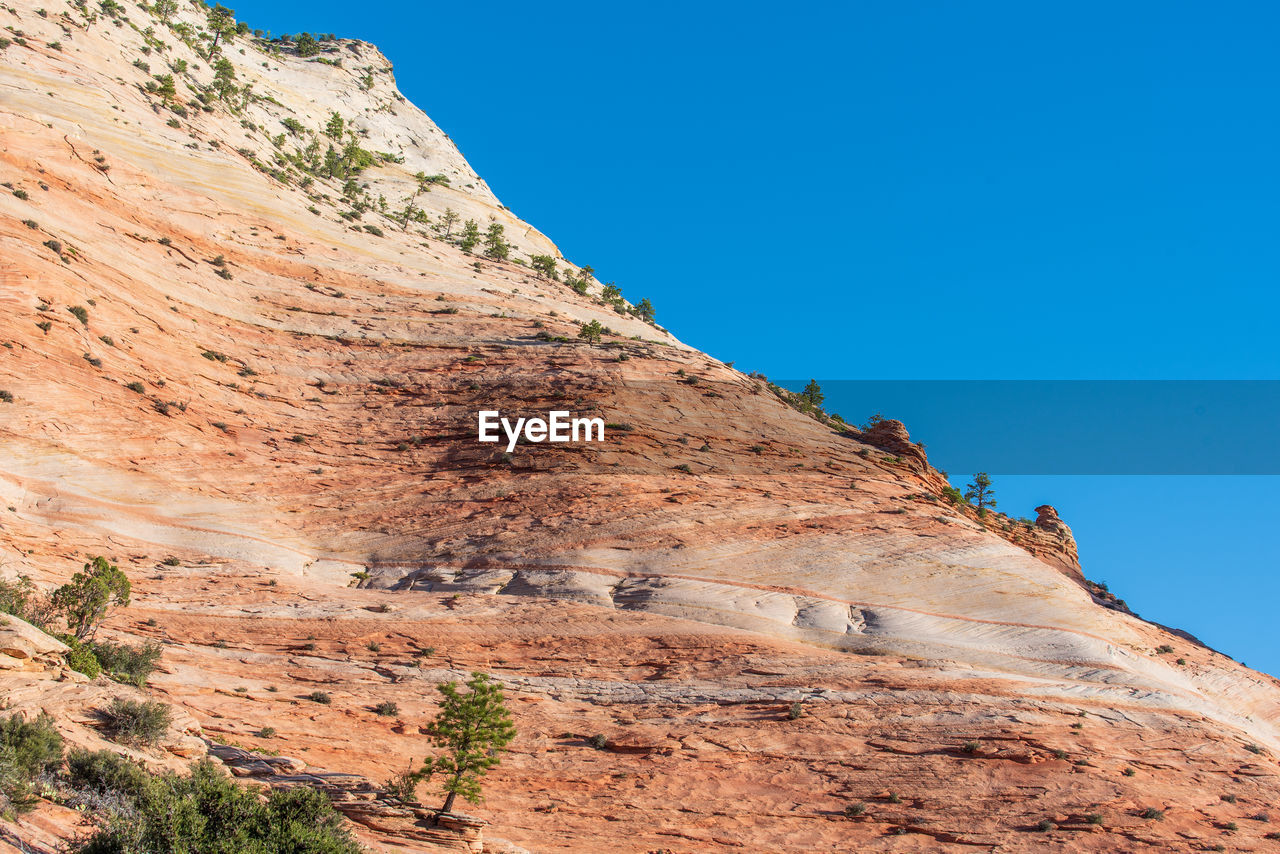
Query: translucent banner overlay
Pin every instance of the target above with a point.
(1125, 427)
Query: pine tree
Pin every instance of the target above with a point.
(591, 332)
(84, 601)
(644, 308)
(494, 245)
(306, 45)
(470, 235)
(448, 220)
(423, 185)
(166, 88)
(544, 264)
(335, 127)
(812, 394)
(980, 493)
(222, 24)
(165, 9)
(224, 78)
(474, 730)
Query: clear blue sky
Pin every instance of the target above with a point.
(911, 190)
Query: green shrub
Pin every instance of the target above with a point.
(21, 194)
(27, 749)
(20, 598)
(387, 709)
(1152, 813)
(81, 313)
(1045, 826)
(33, 745)
(796, 711)
(80, 657)
(136, 386)
(208, 812)
(104, 771)
(854, 810)
(320, 697)
(136, 722)
(598, 741)
(132, 663)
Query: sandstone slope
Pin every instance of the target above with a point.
(282, 395)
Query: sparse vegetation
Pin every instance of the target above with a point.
(81, 313)
(206, 812)
(386, 709)
(133, 664)
(320, 697)
(28, 749)
(136, 722)
(1152, 813)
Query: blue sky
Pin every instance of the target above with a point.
(910, 190)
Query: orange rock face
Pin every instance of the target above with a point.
(259, 398)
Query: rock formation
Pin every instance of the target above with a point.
(233, 372)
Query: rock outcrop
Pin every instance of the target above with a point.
(256, 390)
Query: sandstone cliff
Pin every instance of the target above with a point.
(218, 353)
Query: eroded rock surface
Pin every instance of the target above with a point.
(262, 406)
